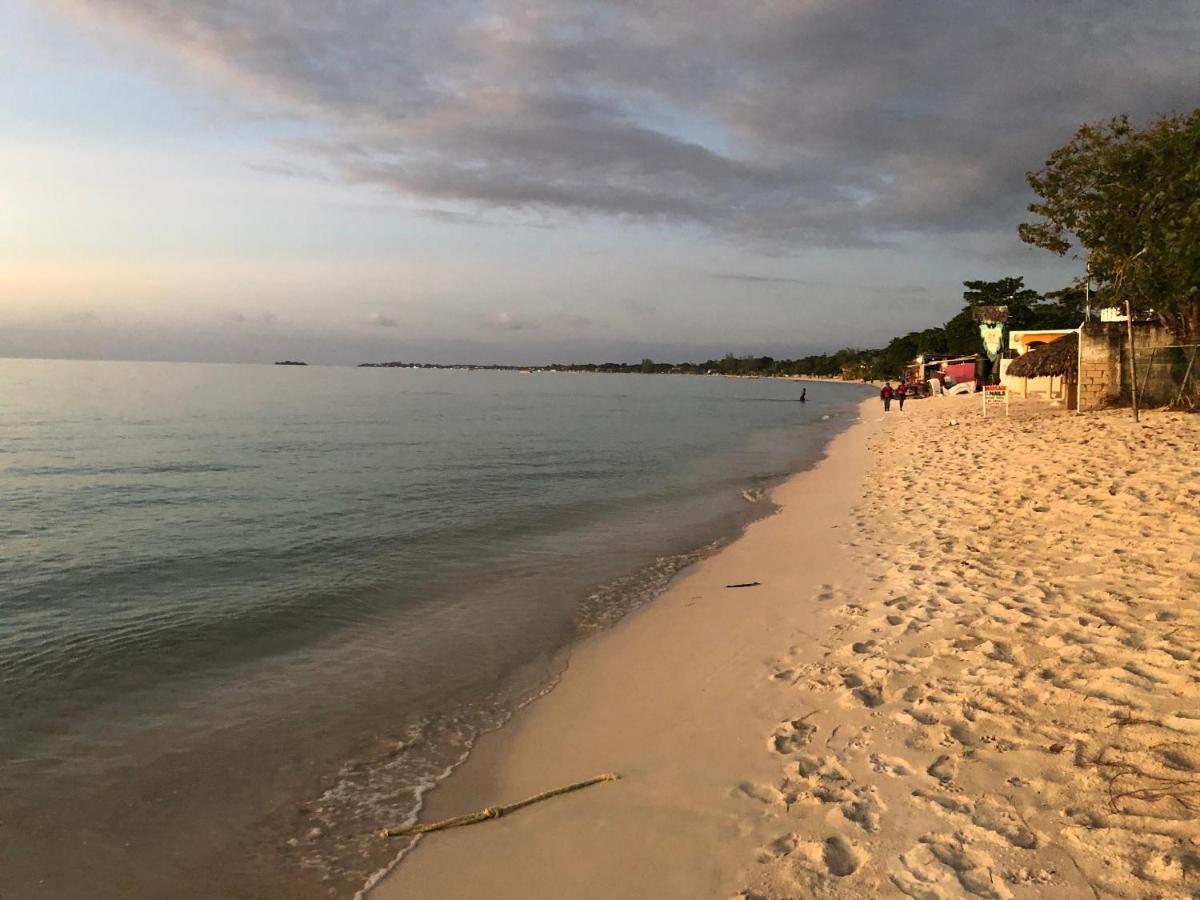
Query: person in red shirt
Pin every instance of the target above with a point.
(901, 392)
(886, 395)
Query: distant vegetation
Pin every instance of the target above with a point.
(959, 336)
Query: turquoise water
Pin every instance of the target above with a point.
(248, 614)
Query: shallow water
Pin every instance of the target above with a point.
(249, 613)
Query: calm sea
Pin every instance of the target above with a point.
(249, 614)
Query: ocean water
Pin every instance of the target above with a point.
(250, 614)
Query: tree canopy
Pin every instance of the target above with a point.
(1027, 309)
(1129, 198)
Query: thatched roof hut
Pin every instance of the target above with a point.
(1059, 358)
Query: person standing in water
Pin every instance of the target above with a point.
(886, 395)
(803, 394)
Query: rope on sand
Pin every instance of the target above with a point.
(494, 812)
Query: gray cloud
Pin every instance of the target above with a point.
(254, 319)
(750, 278)
(451, 217)
(832, 123)
(506, 321)
(379, 320)
(287, 169)
(80, 317)
(574, 321)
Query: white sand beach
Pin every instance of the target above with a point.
(970, 669)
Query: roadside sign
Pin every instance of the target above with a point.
(994, 395)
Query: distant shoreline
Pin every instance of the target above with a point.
(609, 369)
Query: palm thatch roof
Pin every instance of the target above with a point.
(1060, 358)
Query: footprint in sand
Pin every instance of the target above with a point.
(989, 814)
(944, 768)
(763, 793)
(890, 765)
(791, 735)
(841, 857)
(816, 861)
(871, 695)
(934, 865)
(778, 848)
(826, 780)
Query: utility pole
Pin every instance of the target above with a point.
(1132, 359)
(1087, 293)
(1129, 323)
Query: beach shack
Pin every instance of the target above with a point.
(936, 372)
(1052, 365)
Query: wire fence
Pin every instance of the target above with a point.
(1169, 376)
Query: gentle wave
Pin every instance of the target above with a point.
(332, 591)
(160, 469)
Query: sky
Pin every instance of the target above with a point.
(542, 180)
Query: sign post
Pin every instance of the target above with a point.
(995, 395)
(992, 320)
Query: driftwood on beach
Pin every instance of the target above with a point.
(494, 812)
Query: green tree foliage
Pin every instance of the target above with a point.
(1010, 292)
(1130, 199)
(1059, 309)
(960, 335)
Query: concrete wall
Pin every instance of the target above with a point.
(1104, 361)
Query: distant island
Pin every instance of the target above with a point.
(290, 362)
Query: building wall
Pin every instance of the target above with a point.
(1020, 339)
(1104, 360)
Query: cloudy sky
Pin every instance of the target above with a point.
(527, 180)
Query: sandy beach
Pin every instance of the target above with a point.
(969, 668)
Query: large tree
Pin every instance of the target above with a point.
(1010, 292)
(1129, 198)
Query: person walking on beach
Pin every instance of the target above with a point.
(901, 393)
(886, 395)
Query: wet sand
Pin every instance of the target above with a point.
(970, 668)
